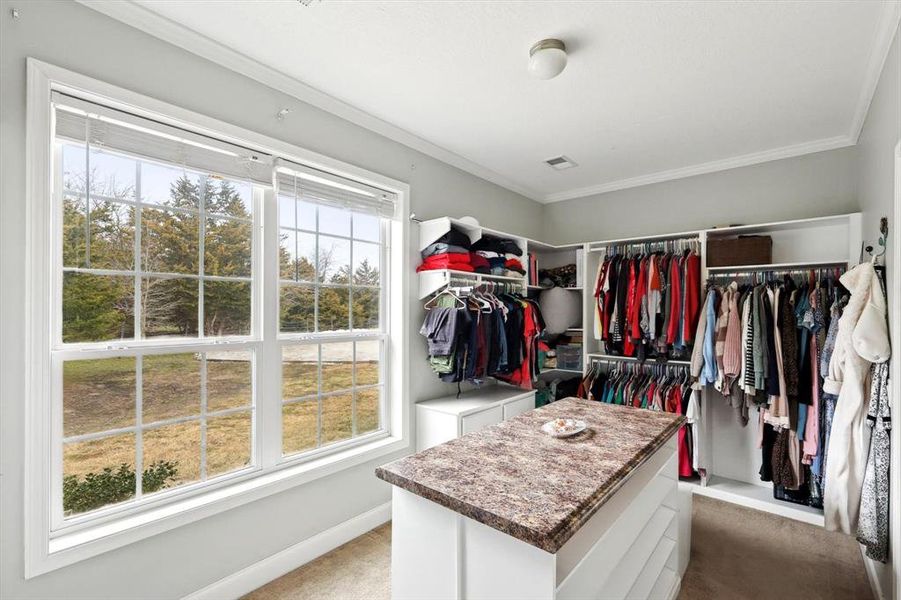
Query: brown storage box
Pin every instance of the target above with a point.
(742, 250)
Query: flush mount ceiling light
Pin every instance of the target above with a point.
(547, 59)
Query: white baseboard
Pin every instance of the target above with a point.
(260, 573)
(871, 567)
(674, 592)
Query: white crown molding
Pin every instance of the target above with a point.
(176, 34)
(882, 45)
(704, 168)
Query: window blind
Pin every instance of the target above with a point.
(103, 127)
(315, 186)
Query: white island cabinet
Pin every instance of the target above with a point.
(443, 419)
(509, 512)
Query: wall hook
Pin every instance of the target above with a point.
(280, 115)
(883, 236)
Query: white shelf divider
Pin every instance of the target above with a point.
(754, 496)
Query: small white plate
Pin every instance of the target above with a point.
(561, 428)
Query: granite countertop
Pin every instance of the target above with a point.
(529, 485)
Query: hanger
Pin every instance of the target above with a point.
(431, 303)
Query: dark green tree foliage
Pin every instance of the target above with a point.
(97, 307)
(227, 252)
(110, 486)
(101, 307)
(297, 302)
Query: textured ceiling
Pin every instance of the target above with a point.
(652, 89)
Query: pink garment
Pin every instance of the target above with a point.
(812, 428)
(732, 358)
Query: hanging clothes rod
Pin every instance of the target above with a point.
(676, 244)
(612, 358)
(464, 284)
(772, 271)
(680, 367)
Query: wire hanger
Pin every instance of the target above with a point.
(457, 300)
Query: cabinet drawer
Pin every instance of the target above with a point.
(482, 419)
(517, 407)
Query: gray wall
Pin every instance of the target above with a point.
(181, 561)
(875, 190)
(807, 186)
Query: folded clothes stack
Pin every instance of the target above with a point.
(450, 251)
(449, 260)
(500, 254)
(489, 255)
(498, 245)
(501, 264)
(480, 264)
(513, 264)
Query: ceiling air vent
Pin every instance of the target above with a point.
(561, 162)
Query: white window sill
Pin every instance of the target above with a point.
(69, 548)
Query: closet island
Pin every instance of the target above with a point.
(511, 512)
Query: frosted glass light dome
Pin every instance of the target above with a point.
(547, 59)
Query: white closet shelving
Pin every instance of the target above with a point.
(435, 280)
(734, 458)
(548, 256)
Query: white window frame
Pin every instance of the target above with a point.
(47, 549)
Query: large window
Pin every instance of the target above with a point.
(164, 264)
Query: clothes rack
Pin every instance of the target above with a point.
(761, 273)
(675, 245)
(474, 333)
(614, 358)
(653, 386)
(462, 285)
(821, 242)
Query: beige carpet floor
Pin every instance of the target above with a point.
(736, 554)
(740, 554)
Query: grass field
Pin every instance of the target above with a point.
(99, 395)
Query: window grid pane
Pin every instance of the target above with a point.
(127, 222)
(331, 392)
(164, 431)
(345, 270)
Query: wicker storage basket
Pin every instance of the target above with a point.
(742, 250)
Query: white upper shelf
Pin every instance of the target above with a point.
(431, 230)
(833, 220)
